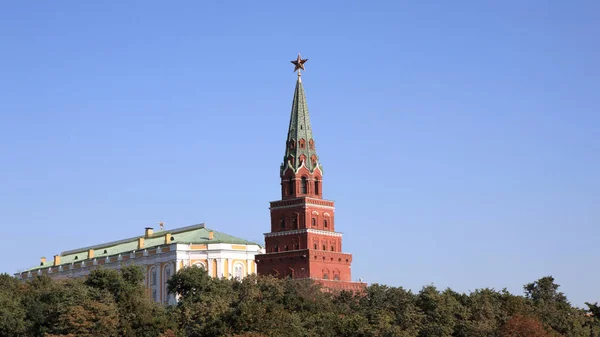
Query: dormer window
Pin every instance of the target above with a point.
(302, 160)
(302, 143)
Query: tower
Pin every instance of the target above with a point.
(303, 242)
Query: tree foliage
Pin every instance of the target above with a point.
(115, 303)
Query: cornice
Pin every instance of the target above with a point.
(303, 231)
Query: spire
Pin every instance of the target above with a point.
(300, 146)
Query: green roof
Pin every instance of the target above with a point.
(300, 129)
(197, 234)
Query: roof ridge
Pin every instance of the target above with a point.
(114, 243)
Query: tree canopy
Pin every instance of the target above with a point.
(115, 303)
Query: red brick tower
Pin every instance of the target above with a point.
(303, 242)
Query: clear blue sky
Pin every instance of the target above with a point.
(460, 140)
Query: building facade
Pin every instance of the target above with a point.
(161, 254)
(302, 241)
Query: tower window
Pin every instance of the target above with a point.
(314, 221)
(276, 248)
(324, 247)
(316, 187)
(325, 223)
(303, 185)
(295, 223)
(315, 247)
(325, 276)
(332, 248)
(282, 223)
(291, 186)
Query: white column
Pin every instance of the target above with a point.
(219, 268)
(209, 267)
(230, 268)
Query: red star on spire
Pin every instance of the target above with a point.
(299, 63)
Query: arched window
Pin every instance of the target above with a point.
(316, 187)
(314, 221)
(282, 223)
(154, 284)
(238, 271)
(303, 189)
(291, 186)
(168, 297)
(324, 247)
(295, 223)
(332, 248)
(315, 247)
(325, 223)
(276, 248)
(325, 275)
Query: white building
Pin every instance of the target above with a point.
(162, 253)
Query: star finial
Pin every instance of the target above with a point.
(299, 63)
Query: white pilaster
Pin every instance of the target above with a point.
(249, 266)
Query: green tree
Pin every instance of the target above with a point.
(204, 307)
(551, 306)
(12, 312)
(138, 314)
(443, 312)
